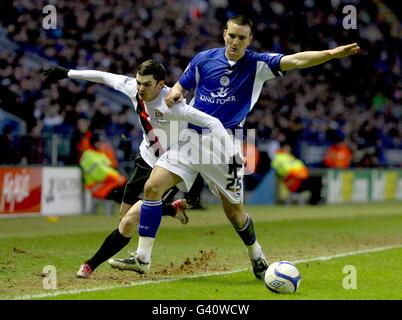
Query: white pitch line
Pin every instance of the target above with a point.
(130, 284)
(145, 282)
(352, 253)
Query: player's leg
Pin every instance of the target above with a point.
(124, 208)
(244, 226)
(226, 181)
(168, 172)
(116, 241)
(112, 244)
(158, 183)
(128, 224)
(121, 236)
(131, 219)
(135, 187)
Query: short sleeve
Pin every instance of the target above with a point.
(189, 78)
(268, 66)
(273, 61)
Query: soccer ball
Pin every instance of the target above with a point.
(282, 277)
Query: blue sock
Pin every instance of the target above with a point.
(247, 233)
(150, 218)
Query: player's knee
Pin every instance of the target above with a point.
(126, 227)
(152, 190)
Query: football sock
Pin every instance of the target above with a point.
(247, 233)
(150, 219)
(254, 251)
(168, 210)
(144, 250)
(112, 244)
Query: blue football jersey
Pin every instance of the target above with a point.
(229, 92)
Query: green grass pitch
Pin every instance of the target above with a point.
(207, 260)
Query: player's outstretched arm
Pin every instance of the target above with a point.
(307, 59)
(58, 73)
(116, 81)
(175, 95)
(102, 77)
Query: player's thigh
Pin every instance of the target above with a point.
(172, 161)
(161, 180)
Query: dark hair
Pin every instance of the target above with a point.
(152, 67)
(240, 20)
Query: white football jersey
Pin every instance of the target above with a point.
(155, 116)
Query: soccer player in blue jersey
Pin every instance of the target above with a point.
(227, 83)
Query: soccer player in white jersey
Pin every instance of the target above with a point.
(147, 93)
(227, 83)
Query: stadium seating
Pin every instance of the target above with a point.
(359, 96)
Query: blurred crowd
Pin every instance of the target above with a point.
(356, 101)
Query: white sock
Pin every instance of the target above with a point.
(144, 250)
(254, 251)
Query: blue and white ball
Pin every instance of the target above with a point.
(282, 277)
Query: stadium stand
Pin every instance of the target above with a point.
(361, 97)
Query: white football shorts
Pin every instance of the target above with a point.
(187, 159)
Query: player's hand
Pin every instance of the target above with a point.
(345, 51)
(174, 96)
(55, 73)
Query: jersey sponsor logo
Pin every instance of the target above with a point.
(217, 100)
(218, 97)
(221, 93)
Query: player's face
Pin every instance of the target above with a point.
(237, 39)
(148, 87)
